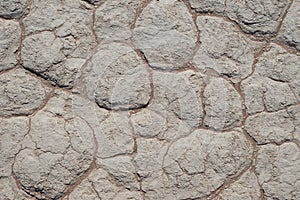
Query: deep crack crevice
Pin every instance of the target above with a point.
(246, 81)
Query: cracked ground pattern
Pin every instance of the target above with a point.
(150, 99)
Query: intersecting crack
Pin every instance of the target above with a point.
(151, 99)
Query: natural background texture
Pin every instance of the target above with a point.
(150, 99)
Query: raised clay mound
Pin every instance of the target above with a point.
(149, 100)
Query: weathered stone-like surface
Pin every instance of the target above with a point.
(223, 106)
(274, 127)
(117, 78)
(261, 18)
(9, 190)
(198, 164)
(224, 49)
(278, 64)
(21, 93)
(12, 132)
(177, 101)
(60, 54)
(122, 170)
(12, 8)
(257, 17)
(113, 19)
(9, 43)
(278, 171)
(289, 32)
(210, 6)
(95, 1)
(246, 187)
(262, 93)
(100, 185)
(46, 55)
(276, 72)
(150, 156)
(150, 99)
(62, 147)
(294, 112)
(114, 136)
(148, 123)
(166, 33)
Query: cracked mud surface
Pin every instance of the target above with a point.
(150, 99)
